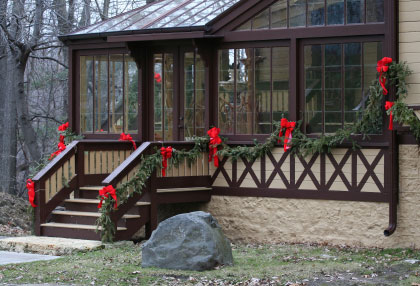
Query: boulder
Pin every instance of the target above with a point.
(192, 241)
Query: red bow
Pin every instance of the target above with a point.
(30, 185)
(166, 154)
(61, 147)
(63, 127)
(389, 105)
(105, 192)
(127, 137)
(158, 78)
(213, 143)
(382, 68)
(289, 126)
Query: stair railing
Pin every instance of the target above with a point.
(54, 183)
(85, 162)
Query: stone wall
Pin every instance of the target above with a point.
(270, 220)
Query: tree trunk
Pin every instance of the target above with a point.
(9, 148)
(29, 134)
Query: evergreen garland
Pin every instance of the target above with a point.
(370, 123)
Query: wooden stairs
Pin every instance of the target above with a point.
(77, 217)
(67, 190)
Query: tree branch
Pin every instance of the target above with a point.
(50, 59)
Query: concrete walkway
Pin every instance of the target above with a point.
(48, 245)
(7, 257)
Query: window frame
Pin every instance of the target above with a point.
(107, 52)
(244, 45)
(386, 30)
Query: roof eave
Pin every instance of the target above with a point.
(70, 37)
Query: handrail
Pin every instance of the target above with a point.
(52, 166)
(127, 165)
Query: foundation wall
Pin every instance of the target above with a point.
(271, 220)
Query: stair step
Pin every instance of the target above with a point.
(83, 201)
(91, 188)
(90, 214)
(176, 190)
(143, 204)
(76, 226)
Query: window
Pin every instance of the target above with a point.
(337, 77)
(163, 96)
(194, 95)
(253, 89)
(108, 94)
(307, 13)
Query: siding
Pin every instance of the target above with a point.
(409, 45)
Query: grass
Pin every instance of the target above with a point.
(313, 265)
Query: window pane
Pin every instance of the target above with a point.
(131, 95)
(86, 94)
(332, 90)
(280, 101)
(246, 26)
(168, 72)
(313, 88)
(279, 14)
(189, 95)
(116, 93)
(262, 20)
(335, 12)
(200, 96)
(355, 11)
(226, 90)
(157, 103)
(263, 91)
(316, 12)
(372, 53)
(374, 11)
(297, 13)
(244, 90)
(353, 81)
(101, 94)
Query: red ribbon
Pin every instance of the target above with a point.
(105, 193)
(382, 68)
(166, 154)
(289, 126)
(62, 139)
(63, 127)
(213, 143)
(30, 185)
(158, 78)
(388, 106)
(61, 147)
(127, 137)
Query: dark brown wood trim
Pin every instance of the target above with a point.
(299, 194)
(156, 37)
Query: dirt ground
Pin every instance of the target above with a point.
(15, 218)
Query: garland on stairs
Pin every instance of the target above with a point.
(288, 133)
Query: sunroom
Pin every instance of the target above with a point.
(169, 71)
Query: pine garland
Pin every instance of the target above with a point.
(370, 123)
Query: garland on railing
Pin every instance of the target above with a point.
(289, 133)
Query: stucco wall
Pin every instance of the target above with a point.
(409, 45)
(270, 220)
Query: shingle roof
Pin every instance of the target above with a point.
(162, 14)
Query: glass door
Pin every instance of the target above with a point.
(179, 105)
(163, 97)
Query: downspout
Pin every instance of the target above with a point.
(394, 148)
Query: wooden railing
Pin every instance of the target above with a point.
(82, 163)
(196, 171)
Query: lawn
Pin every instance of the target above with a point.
(120, 264)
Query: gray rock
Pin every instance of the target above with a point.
(192, 241)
